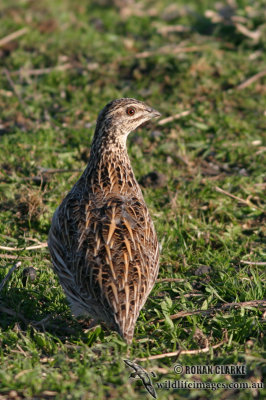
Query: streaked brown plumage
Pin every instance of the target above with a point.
(102, 240)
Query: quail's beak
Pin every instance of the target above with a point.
(153, 113)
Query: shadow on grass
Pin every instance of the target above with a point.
(23, 308)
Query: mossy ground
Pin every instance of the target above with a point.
(55, 78)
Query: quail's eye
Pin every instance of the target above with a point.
(130, 111)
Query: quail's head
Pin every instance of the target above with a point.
(125, 115)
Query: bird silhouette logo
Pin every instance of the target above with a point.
(140, 373)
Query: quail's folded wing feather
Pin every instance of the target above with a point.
(109, 247)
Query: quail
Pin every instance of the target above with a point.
(102, 240)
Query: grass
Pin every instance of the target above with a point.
(73, 59)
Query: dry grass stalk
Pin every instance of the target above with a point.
(169, 50)
(169, 280)
(181, 352)
(251, 303)
(12, 36)
(8, 256)
(253, 262)
(251, 80)
(254, 35)
(164, 30)
(39, 246)
(246, 202)
(174, 117)
(42, 71)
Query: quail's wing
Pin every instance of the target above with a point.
(109, 246)
(63, 240)
(120, 250)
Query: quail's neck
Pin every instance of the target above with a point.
(108, 143)
(109, 167)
